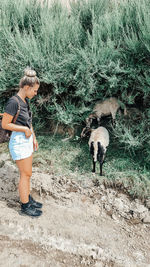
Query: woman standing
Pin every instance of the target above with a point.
(23, 140)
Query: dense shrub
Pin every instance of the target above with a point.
(98, 49)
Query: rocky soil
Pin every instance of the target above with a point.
(83, 223)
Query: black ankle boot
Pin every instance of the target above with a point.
(30, 210)
(34, 203)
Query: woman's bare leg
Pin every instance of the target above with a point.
(25, 169)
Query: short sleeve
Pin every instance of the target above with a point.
(11, 107)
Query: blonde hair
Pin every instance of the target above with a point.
(29, 78)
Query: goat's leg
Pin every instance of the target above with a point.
(98, 121)
(94, 165)
(101, 164)
(114, 118)
(113, 122)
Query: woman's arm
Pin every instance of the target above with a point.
(8, 125)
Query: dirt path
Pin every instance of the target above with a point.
(82, 224)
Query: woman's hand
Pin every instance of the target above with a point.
(27, 132)
(35, 144)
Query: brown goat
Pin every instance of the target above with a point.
(107, 107)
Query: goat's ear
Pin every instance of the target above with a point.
(85, 131)
(89, 130)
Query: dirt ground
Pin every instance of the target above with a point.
(83, 224)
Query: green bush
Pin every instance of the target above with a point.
(98, 49)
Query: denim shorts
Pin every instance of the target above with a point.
(20, 147)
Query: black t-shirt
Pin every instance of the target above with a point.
(25, 115)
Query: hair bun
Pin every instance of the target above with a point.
(29, 73)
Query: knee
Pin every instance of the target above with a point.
(26, 174)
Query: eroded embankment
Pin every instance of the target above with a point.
(82, 224)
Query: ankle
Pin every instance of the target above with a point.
(30, 197)
(25, 205)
